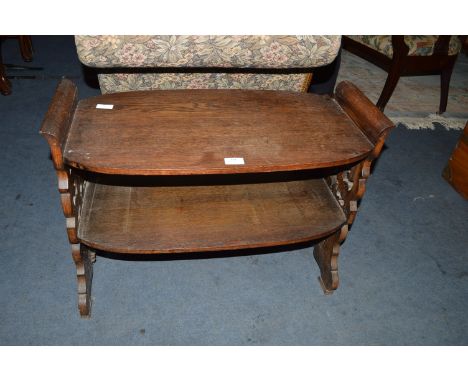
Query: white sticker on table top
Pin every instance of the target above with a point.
(234, 161)
(104, 106)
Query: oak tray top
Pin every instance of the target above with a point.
(188, 132)
(195, 218)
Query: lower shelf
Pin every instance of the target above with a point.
(162, 219)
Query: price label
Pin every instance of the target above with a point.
(104, 106)
(234, 161)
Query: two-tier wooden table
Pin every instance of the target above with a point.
(210, 170)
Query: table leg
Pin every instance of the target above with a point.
(326, 255)
(83, 258)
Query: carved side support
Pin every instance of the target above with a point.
(326, 255)
(82, 256)
(71, 198)
(349, 185)
(71, 187)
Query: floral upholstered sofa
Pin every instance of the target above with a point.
(128, 63)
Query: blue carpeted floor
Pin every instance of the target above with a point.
(403, 268)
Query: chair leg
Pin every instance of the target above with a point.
(5, 85)
(445, 76)
(26, 48)
(390, 84)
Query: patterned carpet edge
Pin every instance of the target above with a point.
(430, 122)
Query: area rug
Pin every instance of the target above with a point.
(430, 122)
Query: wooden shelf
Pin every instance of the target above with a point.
(160, 219)
(187, 132)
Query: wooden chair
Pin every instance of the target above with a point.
(26, 50)
(408, 56)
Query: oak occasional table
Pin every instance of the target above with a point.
(178, 171)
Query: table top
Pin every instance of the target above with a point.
(188, 132)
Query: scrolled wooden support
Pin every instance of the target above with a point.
(349, 186)
(82, 256)
(55, 129)
(326, 255)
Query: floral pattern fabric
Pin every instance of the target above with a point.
(123, 82)
(256, 51)
(418, 45)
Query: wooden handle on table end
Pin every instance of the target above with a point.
(372, 122)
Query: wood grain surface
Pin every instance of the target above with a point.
(183, 132)
(206, 217)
